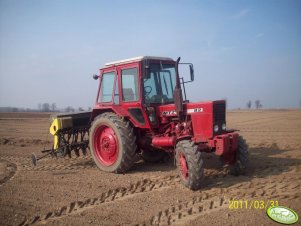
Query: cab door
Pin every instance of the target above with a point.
(131, 93)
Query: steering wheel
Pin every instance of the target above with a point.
(148, 90)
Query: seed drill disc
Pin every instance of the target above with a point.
(34, 159)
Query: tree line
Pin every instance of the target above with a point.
(44, 107)
(47, 107)
(257, 104)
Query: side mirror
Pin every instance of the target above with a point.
(191, 72)
(95, 77)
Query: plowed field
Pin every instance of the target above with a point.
(74, 192)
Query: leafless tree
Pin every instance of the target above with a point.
(249, 104)
(80, 109)
(53, 106)
(45, 107)
(258, 104)
(69, 109)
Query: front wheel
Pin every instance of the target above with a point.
(190, 164)
(112, 143)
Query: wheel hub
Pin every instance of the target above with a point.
(183, 166)
(106, 145)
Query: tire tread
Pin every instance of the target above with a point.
(128, 140)
(194, 160)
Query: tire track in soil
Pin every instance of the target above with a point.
(208, 201)
(59, 164)
(16, 160)
(260, 121)
(71, 166)
(194, 208)
(185, 211)
(269, 130)
(112, 195)
(12, 170)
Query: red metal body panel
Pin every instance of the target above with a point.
(202, 122)
(226, 145)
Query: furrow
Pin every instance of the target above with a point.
(140, 187)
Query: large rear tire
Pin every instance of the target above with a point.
(241, 157)
(189, 164)
(112, 143)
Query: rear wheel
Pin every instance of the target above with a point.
(241, 158)
(190, 164)
(112, 143)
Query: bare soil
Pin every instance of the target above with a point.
(74, 192)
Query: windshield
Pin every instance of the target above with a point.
(159, 83)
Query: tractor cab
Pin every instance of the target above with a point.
(137, 87)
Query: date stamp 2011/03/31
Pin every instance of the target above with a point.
(252, 204)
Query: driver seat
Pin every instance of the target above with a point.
(128, 94)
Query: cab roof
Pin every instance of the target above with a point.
(135, 59)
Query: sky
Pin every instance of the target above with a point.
(241, 50)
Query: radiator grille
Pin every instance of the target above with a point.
(219, 112)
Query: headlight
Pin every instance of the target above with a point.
(215, 128)
(224, 126)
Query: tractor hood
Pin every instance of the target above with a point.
(208, 118)
(189, 108)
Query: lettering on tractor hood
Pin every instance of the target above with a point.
(195, 110)
(173, 112)
(189, 111)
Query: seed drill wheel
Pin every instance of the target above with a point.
(241, 157)
(112, 143)
(190, 164)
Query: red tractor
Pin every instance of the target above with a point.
(140, 109)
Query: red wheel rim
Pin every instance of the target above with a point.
(183, 166)
(106, 145)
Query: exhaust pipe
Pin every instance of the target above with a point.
(164, 141)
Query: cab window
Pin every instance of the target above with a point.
(107, 87)
(129, 81)
(159, 83)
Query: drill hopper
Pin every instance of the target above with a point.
(71, 134)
